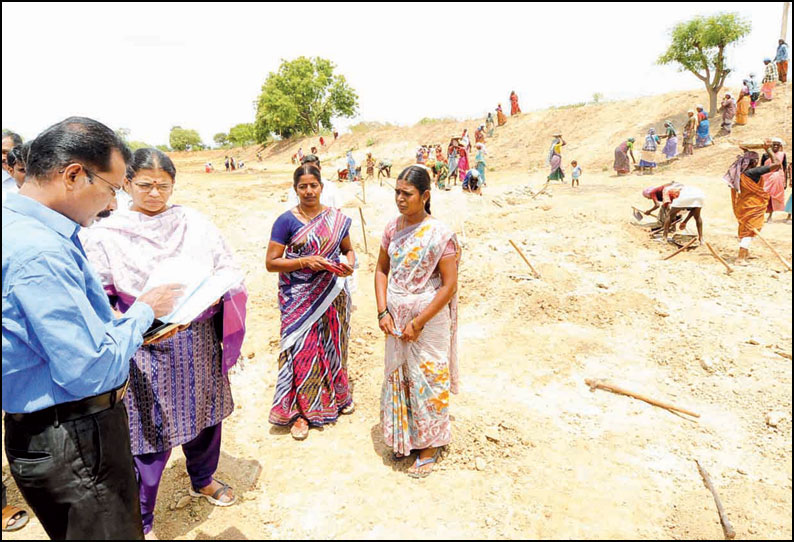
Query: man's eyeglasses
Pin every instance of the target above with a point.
(148, 187)
(116, 189)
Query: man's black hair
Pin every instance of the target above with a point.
(76, 139)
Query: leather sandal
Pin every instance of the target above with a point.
(215, 497)
(19, 516)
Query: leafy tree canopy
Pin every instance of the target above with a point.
(241, 135)
(123, 134)
(302, 97)
(135, 145)
(221, 139)
(698, 46)
(181, 139)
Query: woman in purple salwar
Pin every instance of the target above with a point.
(179, 389)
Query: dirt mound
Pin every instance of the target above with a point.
(592, 132)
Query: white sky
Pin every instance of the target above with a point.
(148, 67)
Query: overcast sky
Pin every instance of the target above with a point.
(148, 67)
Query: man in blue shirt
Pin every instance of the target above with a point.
(13, 518)
(65, 354)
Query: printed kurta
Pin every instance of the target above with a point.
(178, 386)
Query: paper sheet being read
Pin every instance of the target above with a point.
(202, 287)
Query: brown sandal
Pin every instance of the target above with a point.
(19, 516)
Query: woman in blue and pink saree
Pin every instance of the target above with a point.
(416, 291)
(702, 136)
(179, 391)
(306, 248)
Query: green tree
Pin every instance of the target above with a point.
(123, 133)
(182, 138)
(135, 145)
(698, 46)
(164, 148)
(597, 97)
(302, 97)
(221, 139)
(242, 135)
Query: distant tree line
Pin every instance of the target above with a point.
(301, 98)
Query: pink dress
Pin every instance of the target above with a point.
(775, 186)
(463, 163)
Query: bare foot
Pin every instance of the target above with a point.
(300, 429)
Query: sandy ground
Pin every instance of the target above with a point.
(534, 452)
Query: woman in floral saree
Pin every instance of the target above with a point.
(305, 249)
(416, 291)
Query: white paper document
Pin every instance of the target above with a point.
(202, 287)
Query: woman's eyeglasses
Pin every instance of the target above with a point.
(148, 187)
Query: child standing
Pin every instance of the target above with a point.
(577, 172)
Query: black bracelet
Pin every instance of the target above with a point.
(382, 314)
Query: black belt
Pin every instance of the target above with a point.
(74, 410)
